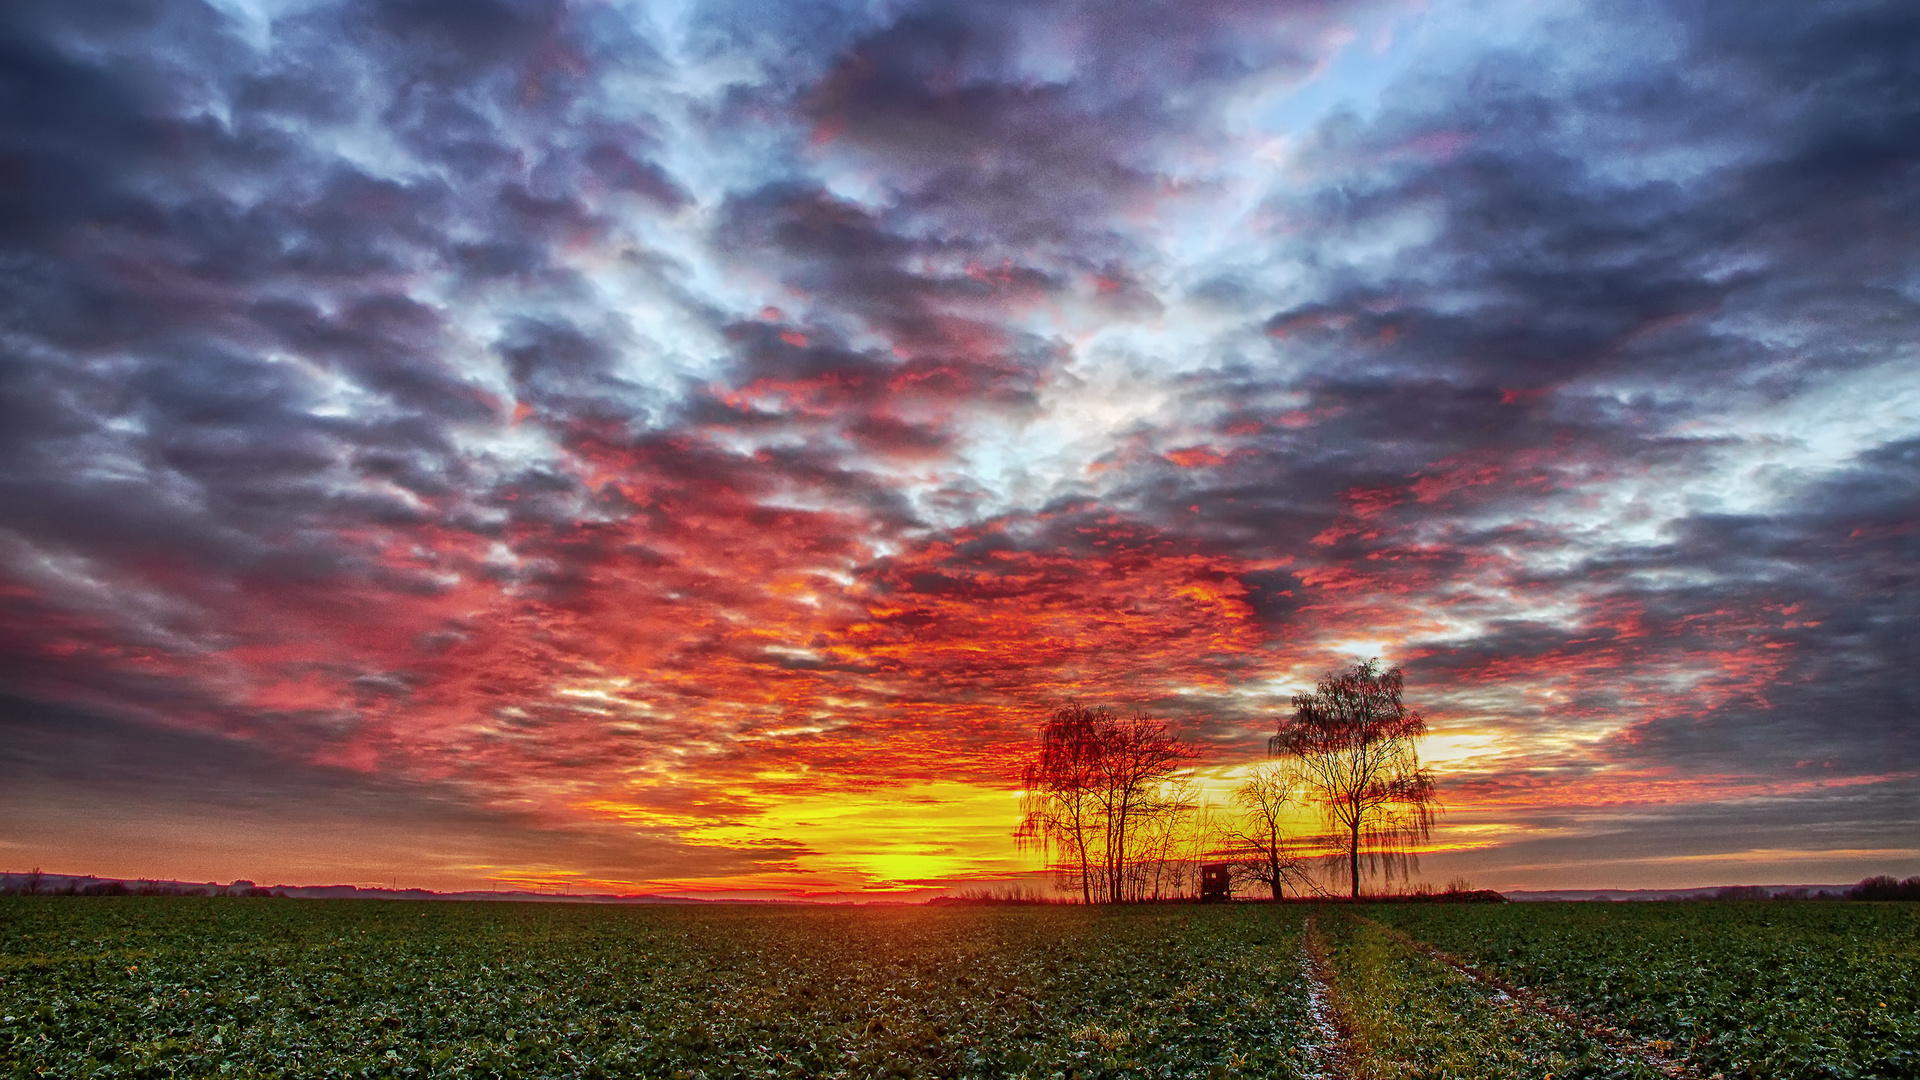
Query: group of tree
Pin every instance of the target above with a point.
(1882, 887)
(1106, 799)
(1109, 800)
(35, 883)
(1885, 887)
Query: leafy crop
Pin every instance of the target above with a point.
(1794, 991)
(159, 986)
(153, 987)
(1414, 1018)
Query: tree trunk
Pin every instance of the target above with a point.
(1086, 867)
(1353, 859)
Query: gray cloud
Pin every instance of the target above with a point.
(372, 374)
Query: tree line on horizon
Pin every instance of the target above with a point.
(36, 883)
(1878, 887)
(1110, 802)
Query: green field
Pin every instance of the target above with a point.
(1413, 1016)
(186, 987)
(162, 986)
(1764, 989)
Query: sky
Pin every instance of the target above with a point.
(689, 447)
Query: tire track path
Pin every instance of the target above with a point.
(1333, 1038)
(1649, 1052)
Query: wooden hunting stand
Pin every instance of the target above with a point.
(1215, 888)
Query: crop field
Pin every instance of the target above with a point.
(1763, 989)
(165, 986)
(1409, 1015)
(256, 988)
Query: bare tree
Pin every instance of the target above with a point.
(1102, 798)
(1258, 836)
(1164, 842)
(1353, 742)
(1136, 772)
(1059, 794)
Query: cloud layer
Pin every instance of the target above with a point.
(615, 442)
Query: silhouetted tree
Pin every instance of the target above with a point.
(1353, 741)
(1096, 794)
(1139, 797)
(1165, 843)
(1884, 887)
(1058, 793)
(1258, 836)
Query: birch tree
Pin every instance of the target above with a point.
(1353, 742)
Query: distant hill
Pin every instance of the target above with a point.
(88, 884)
(1707, 893)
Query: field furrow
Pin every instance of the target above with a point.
(1413, 1017)
(1332, 1041)
(1753, 991)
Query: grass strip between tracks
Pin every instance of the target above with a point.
(1409, 1016)
(1653, 1053)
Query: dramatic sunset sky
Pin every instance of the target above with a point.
(687, 447)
